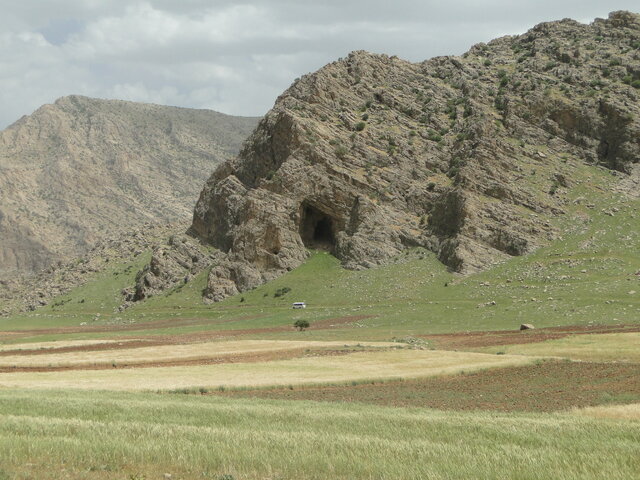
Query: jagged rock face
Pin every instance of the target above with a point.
(80, 169)
(462, 155)
(171, 264)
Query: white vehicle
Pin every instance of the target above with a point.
(299, 305)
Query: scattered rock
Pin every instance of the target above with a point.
(527, 326)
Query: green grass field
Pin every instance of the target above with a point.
(51, 435)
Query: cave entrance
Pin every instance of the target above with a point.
(317, 229)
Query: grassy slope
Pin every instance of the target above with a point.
(115, 435)
(584, 277)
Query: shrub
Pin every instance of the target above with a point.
(340, 151)
(281, 291)
(360, 126)
(301, 325)
(434, 136)
(635, 84)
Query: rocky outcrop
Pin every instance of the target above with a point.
(172, 263)
(74, 172)
(34, 291)
(467, 156)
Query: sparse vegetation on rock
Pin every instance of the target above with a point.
(458, 141)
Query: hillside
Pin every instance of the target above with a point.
(470, 157)
(82, 169)
(411, 363)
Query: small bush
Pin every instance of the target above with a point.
(434, 136)
(301, 325)
(635, 84)
(360, 126)
(281, 291)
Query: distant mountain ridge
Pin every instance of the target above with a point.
(82, 168)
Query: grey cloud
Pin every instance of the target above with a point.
(233, 56)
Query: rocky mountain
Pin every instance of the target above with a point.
(467, 156)
(82, 169)
(20, 294)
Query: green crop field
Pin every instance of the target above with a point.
(51, 435)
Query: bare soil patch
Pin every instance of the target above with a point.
(545, 387)
(459, 340)
(123, 327)
(177, 322)
(250, 357)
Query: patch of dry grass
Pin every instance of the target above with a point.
(306, 370)
(609, 347)
(53, 345)
(174, 352)
(619, 412)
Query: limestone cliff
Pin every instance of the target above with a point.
(468, 156)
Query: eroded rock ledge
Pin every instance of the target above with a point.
(466, 156)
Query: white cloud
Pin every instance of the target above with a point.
(232, 56)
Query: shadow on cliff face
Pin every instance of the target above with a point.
(317, 229)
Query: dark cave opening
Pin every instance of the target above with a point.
(317, 229)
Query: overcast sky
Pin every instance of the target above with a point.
(233, 56)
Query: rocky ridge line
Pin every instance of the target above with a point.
(74, 172)
(467, 156)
